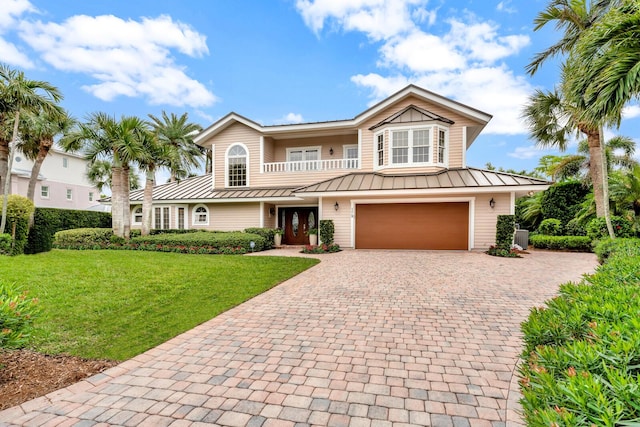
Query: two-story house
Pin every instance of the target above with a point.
(395, 176)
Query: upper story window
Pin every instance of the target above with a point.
(237, 164)
(65, 162)
(380, 148)
(414, 146)
(350, 155)
(201, 215)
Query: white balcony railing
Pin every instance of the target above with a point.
(311, 165)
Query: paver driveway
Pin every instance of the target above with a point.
(366, 338)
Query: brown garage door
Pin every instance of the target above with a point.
(412, 226)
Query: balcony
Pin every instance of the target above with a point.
(311, 165)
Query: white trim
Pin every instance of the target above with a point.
(348, 161)
(359, 148)
(226, 165)
(133, 214)
(470, 200)
(261, 154)
(436, 146)
(512, 207)
(193, 214)
(48, 192)
(319, 217)
(213, 166)
(376, 166)
(186, 215)
(317, 148)
(432, 151)
(427, 191)
(153, 216)
(464, 146)
(69, 195)
(261, 214)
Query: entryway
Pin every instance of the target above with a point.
(296, 222)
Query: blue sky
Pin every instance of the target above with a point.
(287, 61)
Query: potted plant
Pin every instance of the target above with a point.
(313, 236)
(277, 236)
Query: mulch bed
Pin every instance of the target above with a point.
(25, 374)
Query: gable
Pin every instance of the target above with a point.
(412, 114)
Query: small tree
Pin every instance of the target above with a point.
(19, 210)
(326, 231)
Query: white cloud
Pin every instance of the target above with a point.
(527, 152)
(11, 10)
(631, 111)
(465, 63)
(290, 118)
(505, 6)
(9, 14)
(12, 56)
(126, 58)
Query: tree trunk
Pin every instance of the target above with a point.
(43, 152)
(4, 160)
(595, 168)
(126, 204)
(147, 203)
(7, 181)
(605, 185)
(209, 162)
(116, 201)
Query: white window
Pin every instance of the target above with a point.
(137, 215)
(411, 147)
(237, 164)
(69, 194)
(200, 215)
(350, 154)
(380, 148)
(65, 162)
(303, 159)
(161, 218)
(181, 225)
(44, 191)
(91, 196)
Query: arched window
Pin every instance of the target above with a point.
(137, 215)
(200, 215)
(237, 162)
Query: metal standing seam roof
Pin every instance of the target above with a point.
(451, 178)
(199, 188)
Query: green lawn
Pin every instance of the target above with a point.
(117, 304)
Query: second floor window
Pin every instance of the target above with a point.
(237, 166)
(380, 148)
(442, 144)
(414, 146)
(65, 162)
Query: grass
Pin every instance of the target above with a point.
(117, 304)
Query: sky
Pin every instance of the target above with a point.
(290, 61)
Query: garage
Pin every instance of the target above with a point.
(437, 226)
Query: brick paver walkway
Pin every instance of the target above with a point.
(366, 338)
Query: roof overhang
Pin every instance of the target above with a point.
(429, 191)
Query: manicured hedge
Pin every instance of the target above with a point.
(621, 247)
(550, 227)
(582, 351)
(327, 230)
(266, 233)
(19, 210)
(48, 221)
(5, 244)
(202, 242)
(567, 243)
(597, 227)
(563, 200)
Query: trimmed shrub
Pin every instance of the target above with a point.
(5, 244)
(321, 249)
(550, 227)
(327, 229)
(562, 200)
(48, 221)
(561, 243)
(214, 242)
(597, 227)
(574, 228)
(16, 316)
(19, 210)
(619, 247)
(505, 228)
(582, 351)
(266, 233)
(84, 238)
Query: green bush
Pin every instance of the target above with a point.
(17, 312)
(218, 242)
(321, 249)
(266, 233)
(327, 229)
(19, 210)
(574, 228)
(582, 351)
(561, 243)
(620, 247)
(550, 227)
(5, 244)
(83, 238)
(48, 221)
(505, 228)
(597, 228)
(562, 200)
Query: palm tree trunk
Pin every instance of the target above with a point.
(595, 168)
(7, 181)
(4, 159)
(605, 185)
(126, 204)
(116, 201)
(43, 152)
(147, 203)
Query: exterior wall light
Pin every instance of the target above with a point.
(336, 206)
(492, 203)
(331, 151)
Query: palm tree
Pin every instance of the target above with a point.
(39, 130)
(625, 192)
(17, 95)
(606, 62)
(154, 155)
(103, 137)
(177, 134)
(99, 175)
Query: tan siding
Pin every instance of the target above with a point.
(485, 218)
(269, 150)
(283, 179)
(233, 216)
(269, 220)
(341, 219)
(326, 142)
(237, 133)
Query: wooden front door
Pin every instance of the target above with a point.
(297, 221)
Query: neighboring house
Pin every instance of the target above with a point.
(395, 176)
(62, 182)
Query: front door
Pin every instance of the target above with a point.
(297, 221)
